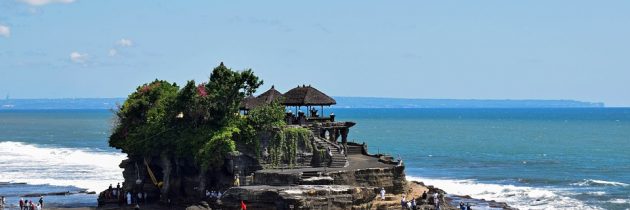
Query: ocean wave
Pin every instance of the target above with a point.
(620, 201)
(595, 182)
(33, 164)
(516, 196)
(598, 193)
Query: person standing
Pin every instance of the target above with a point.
(243, 206)
(403, 201)
(237, 181)
(413, 203)
(118, 192)
(41, 201)
(21, 203)
(436, 201)
(382, 193)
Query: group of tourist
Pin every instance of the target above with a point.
(464, 207)
(424, 199)
(29, 205)
(213, 194)
(125, 197)
(408, 204)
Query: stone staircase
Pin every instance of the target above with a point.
(309, 174)
(338, 160)
(315, 178)
(355, 150)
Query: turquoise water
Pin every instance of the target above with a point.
(530, 158)
(56, 151)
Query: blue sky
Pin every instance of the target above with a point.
(410, 49)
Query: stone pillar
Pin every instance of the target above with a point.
(332, 135)
(344, 138)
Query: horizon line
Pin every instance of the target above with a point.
(360, 97)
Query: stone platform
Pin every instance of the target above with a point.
(349, 187)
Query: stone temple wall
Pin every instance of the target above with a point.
(392, 179)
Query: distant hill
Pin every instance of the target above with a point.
(342, 102)
(367, 102)
(64, 103)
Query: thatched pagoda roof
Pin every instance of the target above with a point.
(307, 96)
(248, 103)
(267, 97)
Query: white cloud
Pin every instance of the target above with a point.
(78, 57)
(113, 52)
(44, 2)
(5, 31)
(125, 43)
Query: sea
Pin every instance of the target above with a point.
(542, 158)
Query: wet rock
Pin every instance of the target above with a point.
(200, 206)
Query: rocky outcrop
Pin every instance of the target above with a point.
(296, 184)
(298, 197)
(392, 179)
(178, 180)
(199, 206)
(276, 179)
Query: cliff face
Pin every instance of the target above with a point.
(178, 180)
(299, 172)
(392, 179)
(181, 180)
(298, 197)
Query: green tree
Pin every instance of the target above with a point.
(144, 118)
(267, 116)
(199, 121)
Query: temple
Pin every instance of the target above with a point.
(309, 163)
(331, 173)
(326, 130)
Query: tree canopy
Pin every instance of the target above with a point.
(199, 121)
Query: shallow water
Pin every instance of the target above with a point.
(529, 158)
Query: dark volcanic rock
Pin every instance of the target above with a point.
(298, 197)
(392, 179)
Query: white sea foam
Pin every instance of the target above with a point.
(33, 164)
(600, 193)
(516, 196)
(620, 201)
(595, 182)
